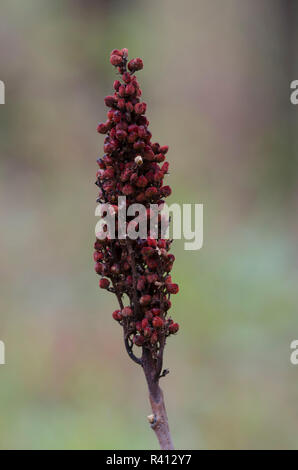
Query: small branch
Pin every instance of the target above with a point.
(160, 358)
(118, 295)
(164, 373)
(128, 348)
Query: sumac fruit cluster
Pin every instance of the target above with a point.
(137, 271)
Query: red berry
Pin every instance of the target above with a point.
(147, 251)
(166, 191)
(109, 173)
(132, 137)
(98, 244)
(130, 89)
(110, 101)
(151, 192)
(102, 128)
(142, 182)
(121, 91)
(127, 312)
(157, 322)
(117, 315)
(111, 114)
(142, 132)
(121, 103)
(160, 158)
(152, 263)
(116, 118)
(165, 167)
(149, 315)
(145, 300)
(173, 288)
(116, 85)
(152, 242)
(133, 128)
(138, 63)
(140, 108)
(151, 278)
(116, 52)
(156, 311)
(135, 64)
(138, 340)
(98, 268)
(121, 135)
(129, 107)
(162, 243)
(144, 323)
(128, 190)
(126, 77)
(116, 60)
(164, 149)
(97, 256)
(139, 145)
(173, 328)
(148, 155)
(104, 283)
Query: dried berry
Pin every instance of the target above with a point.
(173, 328)
(104, 283)
(102, 128)
(127, 312)
(140, 108)
(110, 100)
(173, 288)
(166, 191)
(97, 256)
(145, 300)
(135, 64)
(157, 322)
(117, 315)
(116, 59)
(138, 340)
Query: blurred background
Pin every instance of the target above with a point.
(217, 82)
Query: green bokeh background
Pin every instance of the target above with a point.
(216, 80)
